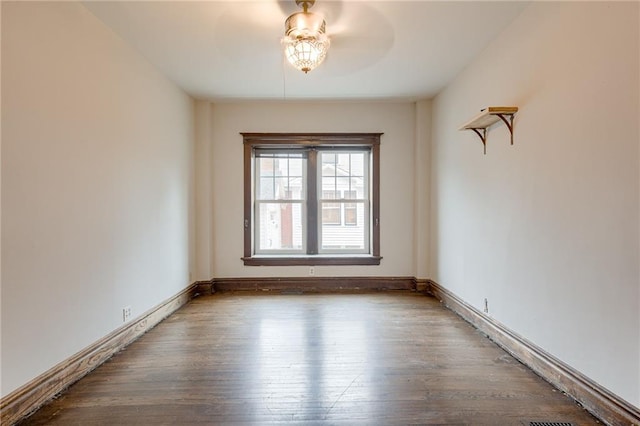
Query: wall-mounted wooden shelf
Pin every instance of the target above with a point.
(487, 118)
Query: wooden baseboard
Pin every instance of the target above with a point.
(203, 287)
(314, 284)
(422, 285)
(600, 402)
(28, 398)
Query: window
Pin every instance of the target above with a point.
(311, 199)
(279, 201)
(344, 179)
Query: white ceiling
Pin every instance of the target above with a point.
(379, 49)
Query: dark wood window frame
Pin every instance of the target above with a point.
(252, 141)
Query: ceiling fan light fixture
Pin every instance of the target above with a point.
(306, 53)
(305, 42)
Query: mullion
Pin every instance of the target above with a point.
(349, 175)
(288, 174)
(312, 202)
(275, 167)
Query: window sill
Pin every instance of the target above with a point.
(312, 260)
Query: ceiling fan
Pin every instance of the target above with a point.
(357, 29)
(305, 41)
(358, 33)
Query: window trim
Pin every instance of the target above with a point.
(252, 141)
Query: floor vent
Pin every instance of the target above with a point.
(550, 424)
(291, 291)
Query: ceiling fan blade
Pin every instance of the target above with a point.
(362, 37)
(362, 41)
(249, 32)
(287, 7)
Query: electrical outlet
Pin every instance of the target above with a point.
(486, 306)
(126, 313)
(312, 270)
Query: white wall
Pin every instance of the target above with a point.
(0, 206)
(96, 185)
(395, 120)
(422, 164)
(547, 229)
(203, 209)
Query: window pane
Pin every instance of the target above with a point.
(265, 166)
(282, 187)
(331, 213)
(328, 185)
(295, 167)
(296, 186)
(329, 194)
(350, 214)
(279, 227)
(343, 166)
(358, 188)
(328, 162)
(266, 189)
(280, 177)
(347, 237)
(357, 164)
(343, 184)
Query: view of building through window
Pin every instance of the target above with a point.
(344, 200)
(281, 195)
(280, 201)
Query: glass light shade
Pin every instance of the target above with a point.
(305, 42)
(306, 53)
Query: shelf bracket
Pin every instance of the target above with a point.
(509, 123)
(483, 137)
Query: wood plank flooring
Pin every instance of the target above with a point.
(348, 359)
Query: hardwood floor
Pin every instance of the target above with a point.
(375, 358)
